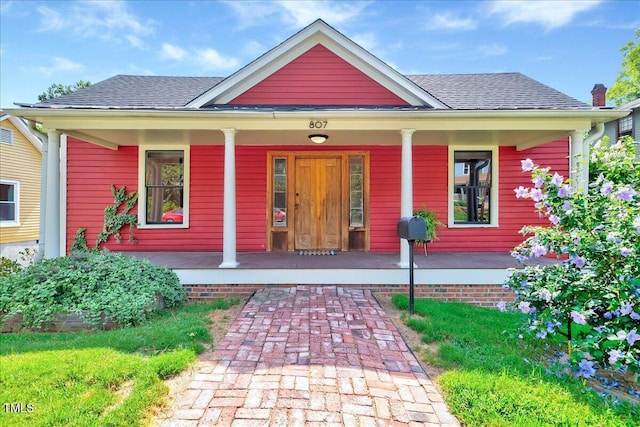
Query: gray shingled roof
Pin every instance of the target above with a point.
(138, 91)
(458, 91)
(497, 91)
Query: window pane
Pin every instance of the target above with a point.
(7, 211)
(164, 182)
(279, 192)
(356, 192)
(7, 193)
(472, 187)
(625, 125)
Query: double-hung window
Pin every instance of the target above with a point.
(625, 126)
(9, 206)
(164, 189)
(473, 187)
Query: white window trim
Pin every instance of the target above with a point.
(11, 135)
(142, 195)
(495, 185)
(16, 184)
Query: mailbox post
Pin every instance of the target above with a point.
(411, 229)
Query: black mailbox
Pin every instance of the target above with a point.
(412, 228)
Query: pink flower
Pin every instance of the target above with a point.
(564, 191)
(521, 192)
(537, 181)
(557, 179)
(527, 164)
(535, 194)
(578, 318)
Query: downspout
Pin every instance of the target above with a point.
(43, 185)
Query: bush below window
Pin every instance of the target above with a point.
(100, 286)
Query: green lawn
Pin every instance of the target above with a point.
(111, 378)
(491, 376)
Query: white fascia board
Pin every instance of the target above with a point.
(76, 120)
(317, 33)
(24, 130)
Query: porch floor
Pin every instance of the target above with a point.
(342, 260)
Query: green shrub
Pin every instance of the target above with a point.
(101, 286)
(8, 267)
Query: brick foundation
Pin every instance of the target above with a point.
(481, 295)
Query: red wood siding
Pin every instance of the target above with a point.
(90, 172)
(251, 198)
(384, 187)
(92, 169)
(321, 77)
(513, 213)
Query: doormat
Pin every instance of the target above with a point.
(317, 252)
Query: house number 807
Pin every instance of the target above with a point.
(317, 124)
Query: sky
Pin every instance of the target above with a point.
(568, 45)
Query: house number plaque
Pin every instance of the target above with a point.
(318, 124)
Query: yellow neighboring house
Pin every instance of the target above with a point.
(20, 177)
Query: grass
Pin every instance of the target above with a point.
(108, 378)
(491, 377)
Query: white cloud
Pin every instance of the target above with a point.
(449, 22)
(135, 41)
(295, 14)
(366, 40)
(173, 52)
(302, 13)
(253, 48)
(493, 49)
(106, 20)
(60, 64)
(210, 58)
(548, 13)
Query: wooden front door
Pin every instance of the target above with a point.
(318, 203)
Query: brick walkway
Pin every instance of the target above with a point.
(310, 356)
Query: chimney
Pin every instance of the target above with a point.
(599, 93)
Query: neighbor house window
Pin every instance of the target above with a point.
(625, 126)
(9, 212)
(6, 136)
(472, 187)
(164, 194)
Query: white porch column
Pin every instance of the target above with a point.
(229, 209)
(577, 158)
(51, 216)
(406, 190)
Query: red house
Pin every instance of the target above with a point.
(316, 147)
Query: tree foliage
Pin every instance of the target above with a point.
(627, 85)
(57, 89)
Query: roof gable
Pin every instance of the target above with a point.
(318, 33)
(320, 77)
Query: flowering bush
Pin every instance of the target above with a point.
(593, 296)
